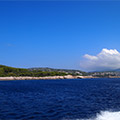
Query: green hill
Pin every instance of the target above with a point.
(6, 71)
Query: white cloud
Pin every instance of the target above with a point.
(105, 60)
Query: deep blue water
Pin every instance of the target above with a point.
(58, 99)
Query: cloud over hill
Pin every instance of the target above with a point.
(107, 59)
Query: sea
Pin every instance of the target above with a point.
(68, 99)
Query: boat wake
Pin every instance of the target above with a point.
(103, 115)
(106, 115)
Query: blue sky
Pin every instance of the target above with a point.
(56, 34)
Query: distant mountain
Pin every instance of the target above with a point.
(117, 70)
(106, 73)
(108, 70)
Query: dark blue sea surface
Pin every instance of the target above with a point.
(58, 99)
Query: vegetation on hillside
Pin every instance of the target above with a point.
(6, 71)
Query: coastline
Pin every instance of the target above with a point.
(50, 77)
(44, 78)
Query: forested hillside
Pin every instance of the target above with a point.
(6, 71)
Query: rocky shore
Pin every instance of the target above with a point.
(44, 78)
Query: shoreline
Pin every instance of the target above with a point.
(44, 78)
(51, 77)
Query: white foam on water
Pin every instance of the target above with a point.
(104, 115)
